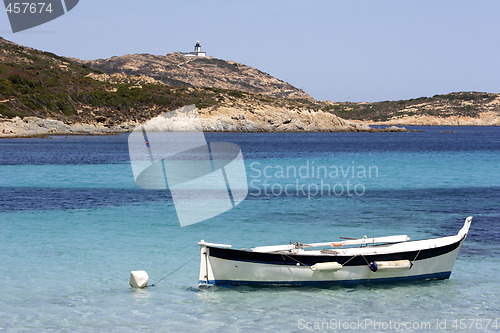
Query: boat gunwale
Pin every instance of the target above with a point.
(305, 259)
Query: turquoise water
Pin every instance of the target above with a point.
(73, 224)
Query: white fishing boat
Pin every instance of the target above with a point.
(353, 261)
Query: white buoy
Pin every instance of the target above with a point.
(139, 279)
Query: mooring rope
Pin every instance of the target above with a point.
(175, 270)
(366, 260)
(284, 254)
(415, 258)
(350, 259)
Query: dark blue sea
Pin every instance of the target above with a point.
(73, 224)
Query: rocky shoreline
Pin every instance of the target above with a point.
(213, 120)
(228, 119)
(38, 127)
(484, 119)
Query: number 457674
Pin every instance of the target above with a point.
(473, 323)
(29, 7)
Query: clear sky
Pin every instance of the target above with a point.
(334, 50)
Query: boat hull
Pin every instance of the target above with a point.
(227, 267)
(236, 272)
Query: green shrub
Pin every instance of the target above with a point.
(6, 88)
(31, 102)
(206, 102)
(21, 81)
(236, 93)
(8, 112)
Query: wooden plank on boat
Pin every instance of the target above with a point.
(360, 241)
(363, 241)
(274, 248)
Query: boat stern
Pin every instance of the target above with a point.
(203, 279)
(206, 278)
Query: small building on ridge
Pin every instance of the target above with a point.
(197, 51)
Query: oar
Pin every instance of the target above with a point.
(355, 241)
(373, 240)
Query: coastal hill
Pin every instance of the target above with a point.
(460, 108)
(42, 93)
(177, 70)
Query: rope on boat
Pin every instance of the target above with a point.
(415, 258)
(350, 259)
(284, 254)
(175, 270)
(354, 256)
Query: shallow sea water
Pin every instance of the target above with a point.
(73, 224)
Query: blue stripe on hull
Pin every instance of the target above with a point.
(432, 276)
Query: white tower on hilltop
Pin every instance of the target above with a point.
(197, 47)
(197, 51)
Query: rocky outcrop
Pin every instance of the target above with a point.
(270, 119)
(120, 78)
(34, 126)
